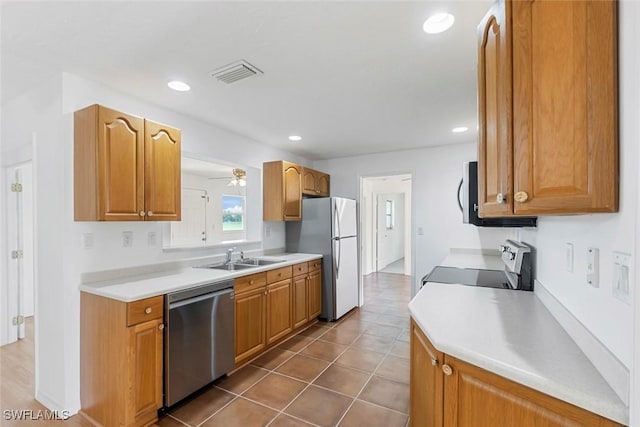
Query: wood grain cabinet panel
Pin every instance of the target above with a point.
(126, 168)
(299, 304)
(426, 381)
(120, 365)
(282, 191)
(445, 391)
(279, 319)
(315, 183)
(548, 99)
(495, 184)
(314, 289)
(250, 323)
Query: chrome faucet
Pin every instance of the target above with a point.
(241, 255)
(229, 253)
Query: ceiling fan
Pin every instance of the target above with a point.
(239, 178)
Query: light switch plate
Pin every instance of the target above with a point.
(152, 238)
(593, 267)
(87, 241)
(621, 276)
(568, 254)
(127, 239)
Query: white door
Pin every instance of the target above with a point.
(20, 288)
(191, 230)
(344, 217)
(346, 274)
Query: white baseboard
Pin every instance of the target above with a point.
(609, 366)
(55, 406)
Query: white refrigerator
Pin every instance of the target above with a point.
(329, 227)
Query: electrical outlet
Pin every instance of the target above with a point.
(267, 231)
(420, 231)
(568, 254)
(152, 239)
(127, 239)
(593, 267)
(621, 275)
(87, 241)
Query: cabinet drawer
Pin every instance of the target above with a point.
(299, 269)
(249, 283)
(279, 274)
(144, 309)
(316, 264)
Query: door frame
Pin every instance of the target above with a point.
(362, 213)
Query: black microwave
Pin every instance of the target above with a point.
(468, 203)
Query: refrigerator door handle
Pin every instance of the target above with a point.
(336, 256)
(336, 218)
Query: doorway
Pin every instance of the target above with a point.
(386, 224)
(20, 286)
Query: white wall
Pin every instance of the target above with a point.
(436, 172)
(48, 112)
(608, 318)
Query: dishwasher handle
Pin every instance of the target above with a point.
(199, 298)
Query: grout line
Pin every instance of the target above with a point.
(178, 420)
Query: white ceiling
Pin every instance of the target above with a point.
(350, 77)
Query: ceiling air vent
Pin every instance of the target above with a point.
(235, 71)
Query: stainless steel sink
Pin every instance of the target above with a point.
(254, 262)
(229, 267)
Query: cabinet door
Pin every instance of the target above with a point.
(474, 397)
(162, 172)
(426, 381)
(250, 323)
(323, 185)
(299, 305)
(145, 364)
(565, 106)
(495, 176)
(292, 192)
(309, 181)
(120, 166)
(315, 294)
(279, 321)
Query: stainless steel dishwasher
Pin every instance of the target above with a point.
(199, 340)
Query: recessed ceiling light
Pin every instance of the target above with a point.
(460, 129)
(179, 86)
(295, 138)
(438, 23)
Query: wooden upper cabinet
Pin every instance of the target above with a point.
(315, 183)
(554, 82)
(565, 106)
(162, 172)
(282, 191)
(495, 184)
(124, 167)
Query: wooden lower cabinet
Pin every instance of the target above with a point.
(121, 360)
(279, 321)
(250, 322)
(314, 290)
(299, 305)
(453, 393)
(271, 306)
(426, 398)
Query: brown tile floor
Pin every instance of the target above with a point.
(354, 372)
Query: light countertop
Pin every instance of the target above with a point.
(150, 285)
(512, 334)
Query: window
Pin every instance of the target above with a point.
(232, 213)
(389, 214)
